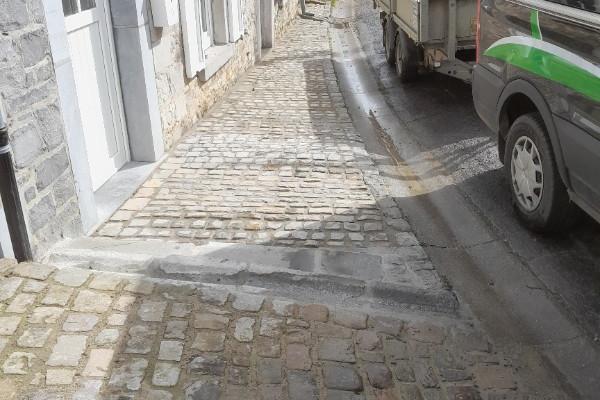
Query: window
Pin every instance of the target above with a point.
(71, 7)
(209, 28)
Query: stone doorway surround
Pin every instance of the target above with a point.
(131, 32)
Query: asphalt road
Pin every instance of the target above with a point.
(531, 289)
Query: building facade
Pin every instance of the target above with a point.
(96, 91)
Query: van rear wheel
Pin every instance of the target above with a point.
(407, 64)
(539, 195)
(389, 42)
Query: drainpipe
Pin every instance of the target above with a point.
(10, 198)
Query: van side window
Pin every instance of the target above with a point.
(586, 5)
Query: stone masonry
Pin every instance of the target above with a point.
(77, 334)
(278, 161)
(182, 101)
(29, 94)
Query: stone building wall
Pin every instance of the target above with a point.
(29, 94)
(183, 101)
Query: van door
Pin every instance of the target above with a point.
(574, 28)
(555, 45)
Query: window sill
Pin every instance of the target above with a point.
(216, 58)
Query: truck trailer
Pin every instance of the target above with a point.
(430, 35)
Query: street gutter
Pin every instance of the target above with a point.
(513, 305)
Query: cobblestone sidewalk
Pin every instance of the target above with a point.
(71, 333)
(277, 162)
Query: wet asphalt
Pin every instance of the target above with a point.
(534, 290)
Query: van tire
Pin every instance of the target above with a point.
(555, 211)
(389, 32)
(407, 57)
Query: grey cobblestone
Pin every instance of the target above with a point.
(174, 358)
(253, 169)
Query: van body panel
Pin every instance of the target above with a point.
(559, 55)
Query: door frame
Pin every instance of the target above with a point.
(73, 22)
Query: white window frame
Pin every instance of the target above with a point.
(198, 39)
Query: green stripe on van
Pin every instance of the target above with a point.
(549, 66)
(536, 32)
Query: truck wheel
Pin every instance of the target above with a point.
(539, 195)
(389, 34)
(407, 55)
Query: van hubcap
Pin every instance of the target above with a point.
(527, 173)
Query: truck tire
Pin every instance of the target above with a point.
(389, 42)
(407, 57)
(539, 195)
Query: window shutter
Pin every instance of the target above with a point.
(194, 57)
(234, 19)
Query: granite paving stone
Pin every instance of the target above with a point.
(57, 296)
(244, 329)
(80, 322)
(73, 277)
(92, 301)
(165, 374)
(342, 377)
(8, 287)
(208, 364)
(20, 303)
(129, 375)
(277, 162)
(98, 363)
(334, 349)
(34, 336)
(8, 325)
(67, 351)
(170, 350)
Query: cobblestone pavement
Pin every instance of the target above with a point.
(72, 333)
(277, 162)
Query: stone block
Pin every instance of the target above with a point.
(210, 321)
(98, 363)
(59, 376)
(129, 375)
(207, 364)
(341, 377)
(205, 389)
(314, 312)
(9, 325)
(379, 375)
(13, 14)
(269, 371)
(57, 296)
(244, 329)
(8, 287)
(21, 303)
(170, 350)
(80, 322)
(92, 301)
(49, 170)
(34, 47)
(67, 351)
(41, 213)
(34, 337)
(152, 311)
(298, 357)
(334, 349)
(73, 277)
(209, 341)
(302, 386)
(165, 374)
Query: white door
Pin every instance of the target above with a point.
(98, 91)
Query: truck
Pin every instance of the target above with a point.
(431, 35)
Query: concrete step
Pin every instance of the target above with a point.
(399, 278)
